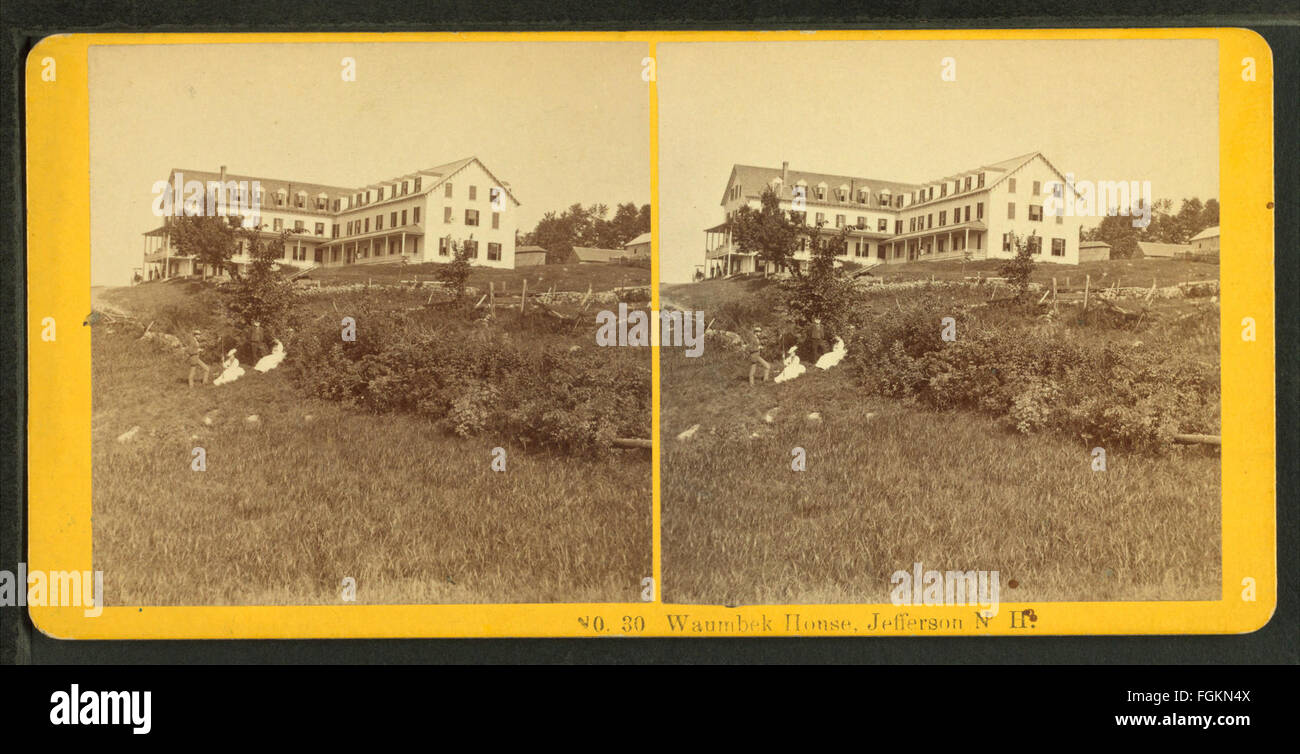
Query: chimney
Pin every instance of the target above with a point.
(223, 175)
(785, 172)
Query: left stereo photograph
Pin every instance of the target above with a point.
(345, 302)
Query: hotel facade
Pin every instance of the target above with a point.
(417, 217)
(973, 213)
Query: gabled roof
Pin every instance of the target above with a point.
(590, 254)
(529, 250)
(643, 238)
(1163, 249)
(269, 186)
(1093, 244)
(445, 171)
(1210, 232)
(754, 180)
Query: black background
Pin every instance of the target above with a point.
(24, 23)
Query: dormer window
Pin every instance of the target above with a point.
(979, 183)
(405, 185)
(821, 192)
(884, 198)
(417, 184)
(281, 197)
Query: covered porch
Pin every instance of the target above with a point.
(375, 248)
(933, 244)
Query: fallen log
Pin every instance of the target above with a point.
(1197, 439)
(631, 442)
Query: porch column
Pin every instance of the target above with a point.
(403, 243)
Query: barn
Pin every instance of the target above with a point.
(1151, 249)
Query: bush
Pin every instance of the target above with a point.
(1038, 379)
(473, 381)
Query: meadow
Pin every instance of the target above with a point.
(314, 491)
(891, 481)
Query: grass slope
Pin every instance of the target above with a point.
(888, 484)
(291, 505)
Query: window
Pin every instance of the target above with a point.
(279, 198)
(978, 236)
(496, 220)
(368, 200)
(967, 184)
(911, 225)
(840, 221)
(447, 190)
(882, 225)
(494, 251)
(320, 229)
(898, 226)
(1006, 242)
(943, 218)
(392, 219)
(862, 221)
(1058, 247)
(821, 192)
(336, 205)
(821, 218)
(444, 246)
(299, 200)
(403, 217)
(942, 245)
(334, 232)
(979, 211)
(1038, 188)
(415, 217)
(381, 193)
(405, 186)
(979, 183)
(320, 203)
(929, 221)
(1060, 219)
(379, 222)
(471, 217)
(473, 193)
(1035, 245)
(1011, 185)
(417, 184)
(446, 214)
(471, 248)
(943, 190)
(367, 230)
(1011, 210)
(277, 224)
(1036, 212)
(348, 230)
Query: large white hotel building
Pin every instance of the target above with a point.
(974, 211)
(417, 217)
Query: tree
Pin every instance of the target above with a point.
(456, 272)
(261, 294)
(825, 293)
(1210, 214)
(1019, 268)
(210, 239)
(1189, 219)
(768, 232)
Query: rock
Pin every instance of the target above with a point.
(309, 418)
(574, 348)
(814, 417)
(129, 435)
(870, 415)
(688, 434)
(252, 419)
(770, 416)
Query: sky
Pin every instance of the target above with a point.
(1144, 110)
(561, 122)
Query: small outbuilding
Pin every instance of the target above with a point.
(1206, 242)
(592, 255)
(638, 248)
(529, 256)
(1094, 251)
(1151, 249)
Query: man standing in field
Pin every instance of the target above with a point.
(754, 348)
(194, 350)
(258, 341)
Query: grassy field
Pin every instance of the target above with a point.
(312, 493)
(889, 484)
(1129, 272)
(564, 277)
